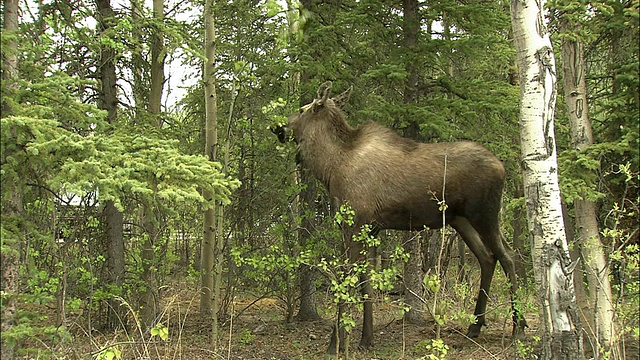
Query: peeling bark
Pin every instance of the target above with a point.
(562, 338)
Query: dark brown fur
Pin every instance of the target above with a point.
(396, 183)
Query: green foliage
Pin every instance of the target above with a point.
(160, 331)
(526, 351)
(245, 337)
(110, 353)
(436, 349)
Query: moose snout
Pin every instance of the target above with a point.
(282, 132)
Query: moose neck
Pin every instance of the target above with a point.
(325, 143)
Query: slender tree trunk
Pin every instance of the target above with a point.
(562, 336)
(10, 254)
(108, 101)
(588, 234)
(10, 52)
(139, 89)
(305, 201)
(578, 273)
(116, 316)
(413, 276)
(413, 268)
(150, 297)
(149, 301)
(157, 60)
(209, 241)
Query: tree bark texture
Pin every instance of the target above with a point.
(562, 337)
(586, 221)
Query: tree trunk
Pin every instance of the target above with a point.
(308, 310)
(413, 276)
(578, 273)
(116, 316)
(108, 100)
(412, 269)
(209, 246)
(562, 336)
(150, 297)
(157, 60)
(9, 256)
(306, 199)
(588, 233)
(10, 52)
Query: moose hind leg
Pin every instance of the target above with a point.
(487, 268)
(505, 256)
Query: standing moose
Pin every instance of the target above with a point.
(397, 183)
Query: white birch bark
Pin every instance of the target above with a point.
(562, 338)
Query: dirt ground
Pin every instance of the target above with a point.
(258, 331)
(258, 336)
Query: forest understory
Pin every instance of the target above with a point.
(258, 330)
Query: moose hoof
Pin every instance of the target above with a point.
(474, 330)
(518, 330)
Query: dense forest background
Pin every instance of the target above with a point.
(103, 166)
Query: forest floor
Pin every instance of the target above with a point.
(258, 331)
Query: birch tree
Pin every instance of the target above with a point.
(586, 221)
(562, 337)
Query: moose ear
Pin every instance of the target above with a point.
(323, 93)
(342, 99)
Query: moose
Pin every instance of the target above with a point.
(397, 183)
